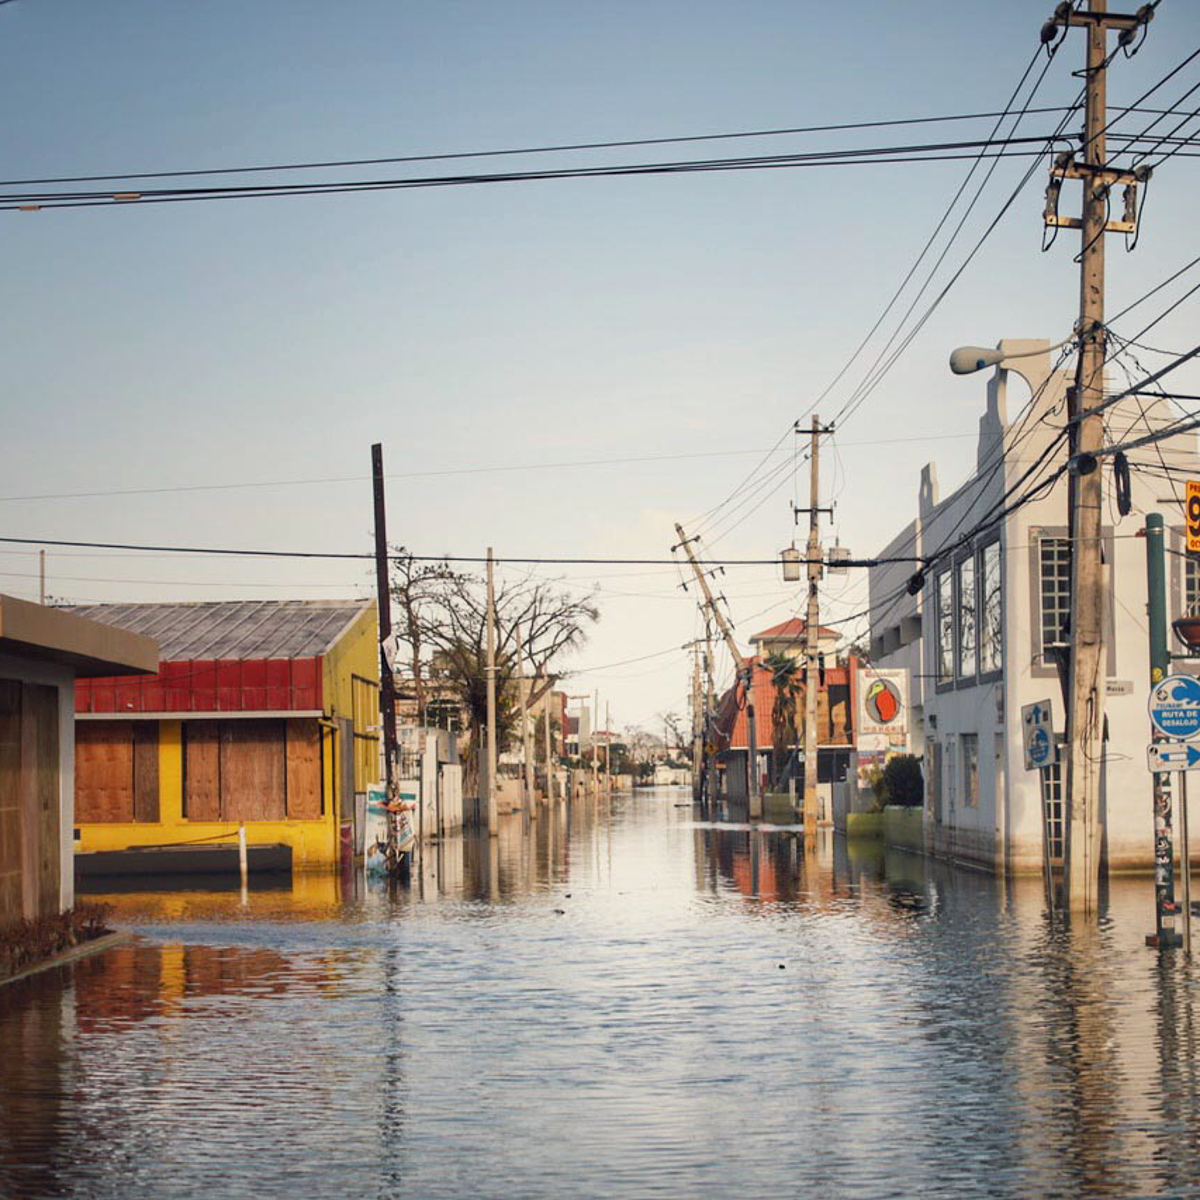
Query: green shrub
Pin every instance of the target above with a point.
(903, 783)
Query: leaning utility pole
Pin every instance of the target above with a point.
(812, 629)
(745, 670)
(1086, 684)
(383, 600)
(493, 819)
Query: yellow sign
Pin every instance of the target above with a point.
(1191, 515)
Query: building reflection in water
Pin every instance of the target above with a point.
(1027, 1056)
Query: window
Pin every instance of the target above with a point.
(990, 630)
(945, 627)
(1052, 808)
(970, 766)
(1191, 586)
(966, 619)
(1054, 569)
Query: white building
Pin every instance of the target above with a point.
(980, 637)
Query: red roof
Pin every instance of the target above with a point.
(792, 631)
(764, 701)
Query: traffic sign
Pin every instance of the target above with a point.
(1191, 513)
(1175, 707)
(1172, 756)
(1037, 730)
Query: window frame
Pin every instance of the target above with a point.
(963, 678)
(944, 681)
(997, 672)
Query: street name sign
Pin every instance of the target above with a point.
(1172, 756)
(1037, 731)
(1175, 707)
(1192, 515)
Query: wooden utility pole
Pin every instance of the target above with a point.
(549, 751)
(697, 727)
(812, 629)
(493, 820)
(745, 669)
(383, 600)
(1088, 666)
(596, 744)
(608, 784)
(526, 749)
(42, 574)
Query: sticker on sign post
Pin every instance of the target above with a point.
(1037, 730)
(1175, 707)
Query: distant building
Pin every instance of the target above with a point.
(43, 652)
(263, 712)
(789, 637)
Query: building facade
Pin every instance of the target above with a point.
(261, 712)
(985, 634)
(43, 652)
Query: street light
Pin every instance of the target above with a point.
(966, 360)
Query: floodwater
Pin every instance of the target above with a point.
(616, 1002)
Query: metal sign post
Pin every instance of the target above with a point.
(1185, 863)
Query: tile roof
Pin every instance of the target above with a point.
(792, 630)
(233, 629)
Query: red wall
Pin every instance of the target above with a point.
(208, 685)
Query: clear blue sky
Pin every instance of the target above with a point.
(529, 323)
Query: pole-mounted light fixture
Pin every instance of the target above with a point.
(966, 360)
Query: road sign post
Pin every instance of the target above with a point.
(1041, 753)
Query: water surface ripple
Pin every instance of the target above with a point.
(618, 1001)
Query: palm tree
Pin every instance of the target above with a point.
(785, 677)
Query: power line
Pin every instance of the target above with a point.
(449, 558)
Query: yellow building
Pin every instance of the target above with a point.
(262, 712)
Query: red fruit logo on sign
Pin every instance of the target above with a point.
(883, 702)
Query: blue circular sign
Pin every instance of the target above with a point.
(1175, 706)
(1039, 747)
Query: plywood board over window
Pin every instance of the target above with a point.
(201, 771)
(103, 771)
(116, 771)
(253, 775)
(303, 769)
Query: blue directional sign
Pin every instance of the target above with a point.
(1037, 729)
(1175, 707)
(1172, 756)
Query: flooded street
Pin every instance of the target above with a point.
(619, 1001)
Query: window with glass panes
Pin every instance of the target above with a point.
(945, 627)
(1191, 586)
(990, 613)
(966, 619)
(970, 767)
(1054, 569)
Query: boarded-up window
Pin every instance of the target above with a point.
(303, 769)
(252, 770)
(201, 771)
(30, 821)
(116, 771)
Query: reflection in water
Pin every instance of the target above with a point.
(611, 999)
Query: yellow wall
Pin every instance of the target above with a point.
(315, 844)
(355, 653)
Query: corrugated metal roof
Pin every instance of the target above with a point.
(233, 628)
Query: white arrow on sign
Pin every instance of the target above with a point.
(1172, 756)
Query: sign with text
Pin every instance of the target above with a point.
(1037, 733)
(1175, 707)
(1191, 511)
(881, 722)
